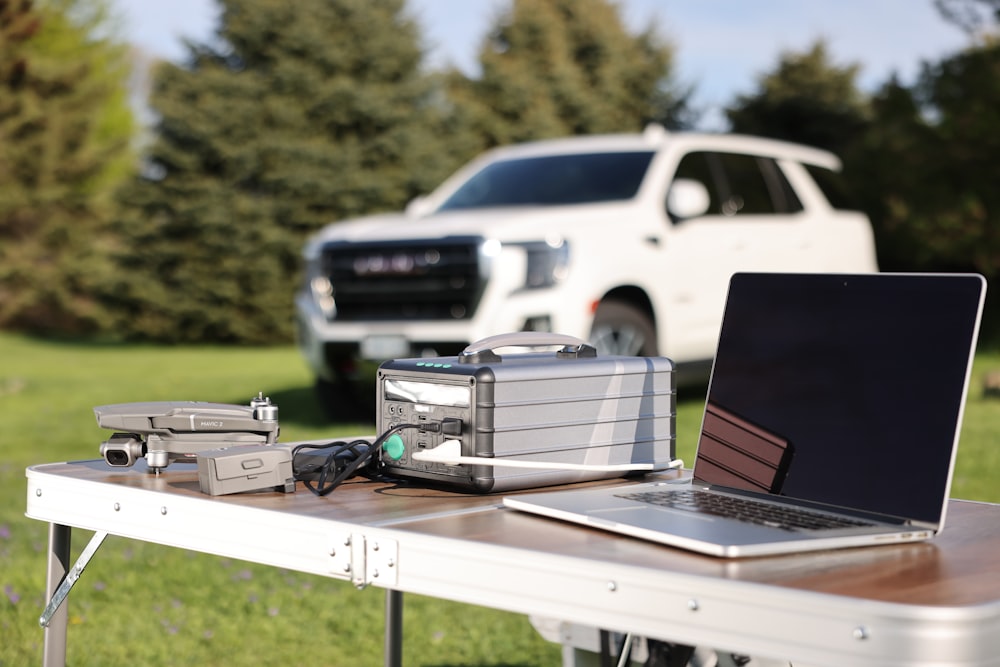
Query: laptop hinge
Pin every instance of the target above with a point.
(802, 503)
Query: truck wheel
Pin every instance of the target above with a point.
(622, 329)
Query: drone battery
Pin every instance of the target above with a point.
(245, 468)
(565, 407)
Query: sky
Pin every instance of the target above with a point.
(721, 46)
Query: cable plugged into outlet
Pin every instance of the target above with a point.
(448, 452)
(448, 426)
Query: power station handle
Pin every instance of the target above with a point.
(483, 350)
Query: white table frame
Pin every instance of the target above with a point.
(469, 549)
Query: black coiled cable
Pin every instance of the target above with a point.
(342, 461)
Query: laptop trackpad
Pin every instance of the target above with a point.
(677, 526)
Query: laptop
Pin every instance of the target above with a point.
(836, 399)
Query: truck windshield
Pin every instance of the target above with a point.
(553, 180)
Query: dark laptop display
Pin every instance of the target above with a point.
(860, 386)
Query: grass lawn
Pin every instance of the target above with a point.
(142, 604)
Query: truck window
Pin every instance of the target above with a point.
(740, 184)
(781, 191)
(748, 189)
(833, 187)
(699, 166)
(553, 180)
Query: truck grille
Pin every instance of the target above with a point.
(434, 279)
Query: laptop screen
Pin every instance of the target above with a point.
(841, 389)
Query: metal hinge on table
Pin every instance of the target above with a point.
(71, 577)
(364, 560)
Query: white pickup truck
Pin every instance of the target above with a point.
(626, 240)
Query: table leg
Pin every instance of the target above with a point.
(54, 652)
(393, 628)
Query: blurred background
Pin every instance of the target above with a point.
(162, 164)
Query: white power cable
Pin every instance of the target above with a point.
(449, 453)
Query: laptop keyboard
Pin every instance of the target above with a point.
(743, 509)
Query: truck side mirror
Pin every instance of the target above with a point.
(688, 198)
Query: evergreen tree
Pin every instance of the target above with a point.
(65, 128)
(972, 16)
(299, 114)
(561, 67)
(806, 99)
(942, 210)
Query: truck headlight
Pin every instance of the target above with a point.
(318, 284)
(547, 262)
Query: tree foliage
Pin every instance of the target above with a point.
(304, 113)
(808, 99)
(561, 67)
(65, 132)
(929, 172)
(922, 159)
(972, 16)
